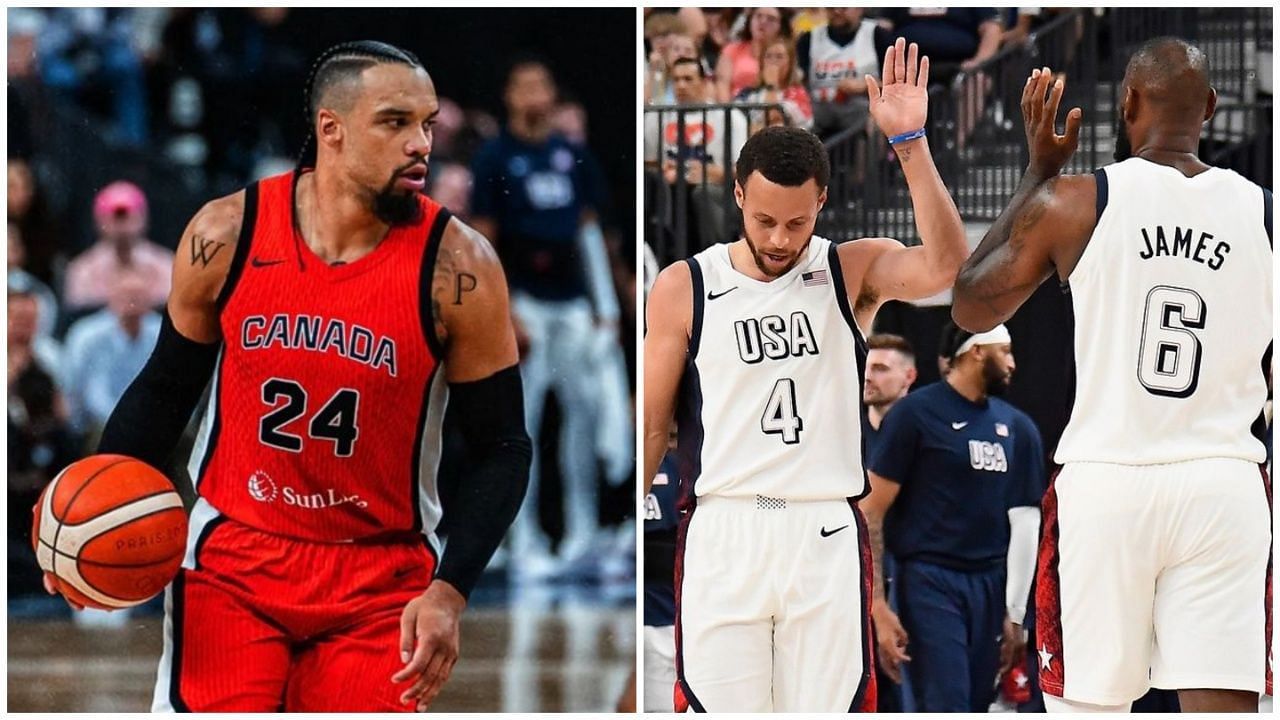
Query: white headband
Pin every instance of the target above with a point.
(997, 335)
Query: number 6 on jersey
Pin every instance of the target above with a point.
(780, 416)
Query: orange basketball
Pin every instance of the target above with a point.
(112, 530)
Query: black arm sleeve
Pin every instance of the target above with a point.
(490, 414)
(149, 419)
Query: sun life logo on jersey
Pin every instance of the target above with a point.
(262, 488)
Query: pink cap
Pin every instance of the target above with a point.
(119, 195)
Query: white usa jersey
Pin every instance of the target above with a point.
(1172, 304)
(771, 396)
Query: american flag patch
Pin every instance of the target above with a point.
(1002, 430)
(814, 278)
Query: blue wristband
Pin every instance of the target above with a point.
(904, 137)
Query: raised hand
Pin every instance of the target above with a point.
(1049, 150)
(902, 103)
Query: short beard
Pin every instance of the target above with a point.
(996, 381)
(759, 257)
(394, 207)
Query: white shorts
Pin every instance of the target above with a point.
(659, 669)
(1154, 576)
(773, 607)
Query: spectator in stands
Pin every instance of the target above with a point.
(677, 46)
(450, 121)
(87, 54)
(570, 120)
(702, 160)
(779, 83)
(120, 211)
(537, 197)
(41, 238)
(214, 58)
(451, 187)
(107, 349)
(26, 95)
(40, 441)
(891, 370)
(719, 35)
(739, 64)
(1017, 24)
(659, 30)
(17, 275)
(806, 19)
(834, 60)
(956, 39)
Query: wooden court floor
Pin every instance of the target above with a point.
(545, 655)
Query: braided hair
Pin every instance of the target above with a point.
(339, 63)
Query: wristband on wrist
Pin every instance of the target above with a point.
(904, 137)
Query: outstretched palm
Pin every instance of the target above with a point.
(902, 103)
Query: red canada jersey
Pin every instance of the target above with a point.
(325, 414)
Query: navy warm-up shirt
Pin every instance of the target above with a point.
(661, 520)
(536, 194)
(961, 466)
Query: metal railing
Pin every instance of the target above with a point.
(689, 155)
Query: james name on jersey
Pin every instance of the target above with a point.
(1156, 244)
(317, 334)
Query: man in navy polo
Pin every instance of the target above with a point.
(956, 478)
(537, 196)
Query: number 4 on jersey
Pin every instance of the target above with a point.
(780, 416)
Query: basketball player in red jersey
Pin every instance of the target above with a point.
(331, 306)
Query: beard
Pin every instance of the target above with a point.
(1124, 150)
(995, 378)
(397, 207)
(759, 258)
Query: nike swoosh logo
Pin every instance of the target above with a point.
(823, 532)
(713, 296)
(958, 425)
(264, 263)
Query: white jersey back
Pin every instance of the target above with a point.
(771, 396)
(1172, 304)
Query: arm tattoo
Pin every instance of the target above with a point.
(466, 282)
(991, 276)
(204, 250)
(441, 280)
(875, 529)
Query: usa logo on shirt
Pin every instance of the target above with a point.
(1002, 430)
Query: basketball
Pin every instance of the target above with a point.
(111, 530)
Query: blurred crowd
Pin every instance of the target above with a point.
(211, 99)
(813, 62)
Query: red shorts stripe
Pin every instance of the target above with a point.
(865, 700)
(1049, 597)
